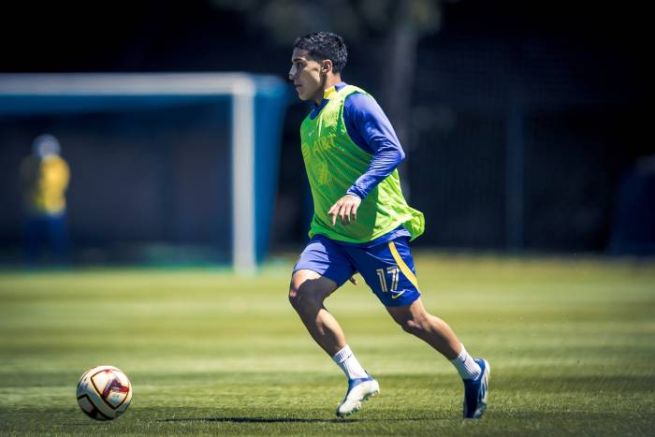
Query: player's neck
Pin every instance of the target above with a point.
(330, 81)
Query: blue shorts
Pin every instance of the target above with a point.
(387, 268)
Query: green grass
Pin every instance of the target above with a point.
(571, 343)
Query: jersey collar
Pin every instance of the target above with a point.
(328, 94)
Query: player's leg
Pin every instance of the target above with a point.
(57, 237)
(307, 292)
(475, 373)
(414, 319)
(389, 271)
(321, 269)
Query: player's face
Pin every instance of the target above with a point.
(306, 76)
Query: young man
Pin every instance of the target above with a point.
(361, 222)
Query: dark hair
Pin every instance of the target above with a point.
(325, 45)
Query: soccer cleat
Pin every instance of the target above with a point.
(475, 392)
(359, 390)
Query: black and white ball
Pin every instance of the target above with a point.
(104, 392)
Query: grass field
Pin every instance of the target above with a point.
(571, 343)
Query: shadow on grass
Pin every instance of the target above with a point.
(257, 420)
(284, 420)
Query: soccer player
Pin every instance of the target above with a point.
(361, 222)
(44, 180)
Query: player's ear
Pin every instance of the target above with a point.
(327, 66)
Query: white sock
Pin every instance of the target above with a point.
(466, 366)
(348, 362)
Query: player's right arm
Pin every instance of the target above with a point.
(370, 129)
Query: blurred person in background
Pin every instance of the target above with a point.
(361, 223)
(44, 180)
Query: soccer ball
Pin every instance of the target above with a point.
(104, 392)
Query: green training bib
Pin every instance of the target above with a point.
(333, 163)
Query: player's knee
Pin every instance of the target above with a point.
(301, 298)
(294, 297)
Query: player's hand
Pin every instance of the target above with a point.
(345, 209)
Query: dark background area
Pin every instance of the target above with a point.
(525, 120)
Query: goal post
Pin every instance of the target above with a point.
(257, 106)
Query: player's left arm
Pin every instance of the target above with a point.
(370, 129)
